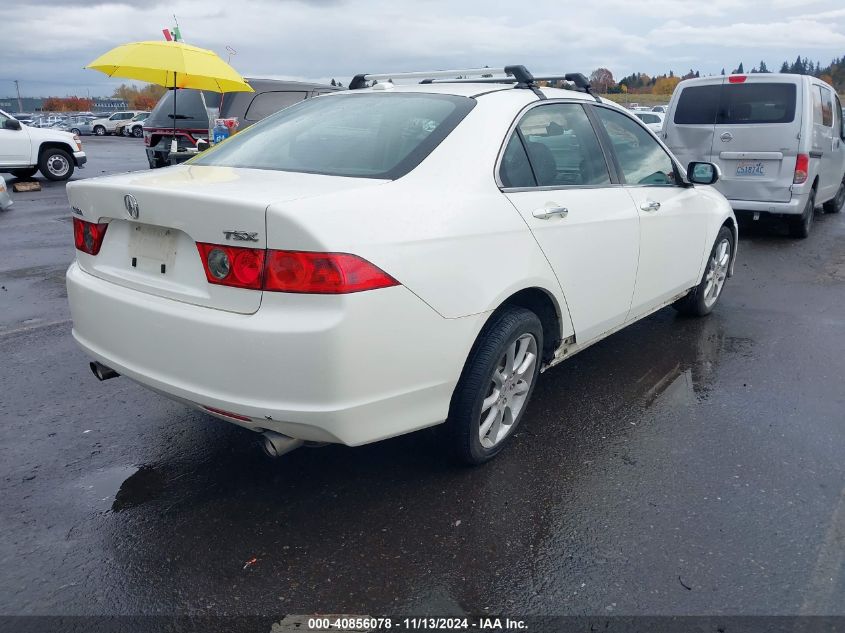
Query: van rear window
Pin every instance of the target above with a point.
(736, 104)
(757, 103)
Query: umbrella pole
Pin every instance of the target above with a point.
(174, 145)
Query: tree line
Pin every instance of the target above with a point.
(640, 83)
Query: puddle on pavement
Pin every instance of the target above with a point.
(121, 487)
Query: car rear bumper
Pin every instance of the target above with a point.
(794, 207)
(351, 369)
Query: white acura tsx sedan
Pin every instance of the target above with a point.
(392, 257)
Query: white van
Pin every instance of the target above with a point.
(778, 140)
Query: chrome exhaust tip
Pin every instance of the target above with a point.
(275, 444)
(101, 371)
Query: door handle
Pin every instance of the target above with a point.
(551, 212)
(650, 205)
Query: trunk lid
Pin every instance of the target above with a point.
(156, 252)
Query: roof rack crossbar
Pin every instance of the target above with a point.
(516, 74)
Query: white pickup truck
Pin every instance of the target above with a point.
(25, 150)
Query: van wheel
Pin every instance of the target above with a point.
(495, 385)
(835, 205)
(29, 172)
(55, 164)
(703, 298)
(800, 227)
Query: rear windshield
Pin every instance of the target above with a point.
(364, 135)
(736, 104)
(190, 111)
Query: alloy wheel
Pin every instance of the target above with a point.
(717, 272)
(510, 385)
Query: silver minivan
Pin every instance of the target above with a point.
(777, 139)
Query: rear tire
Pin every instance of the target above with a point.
(838, 202)
(799, 227)
(99, 130)
(76, 131)
(703, 298)
(495, 386)
(29, 172)
(55, 164)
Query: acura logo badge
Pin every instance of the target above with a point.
(131, 205)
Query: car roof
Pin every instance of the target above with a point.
(269, 85)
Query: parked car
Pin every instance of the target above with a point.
(133, 127)
(661, 109)
(777, 139)
(25, 150)
(293, 278)
(5, 198)
(653, 120)
(192, 113)
(105, 126)
(79, 125)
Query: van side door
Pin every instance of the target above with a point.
(826, 151)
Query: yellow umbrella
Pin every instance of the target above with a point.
(172, 65)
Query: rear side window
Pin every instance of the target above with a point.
(698, 105)
(268, 103)
(822, 106)
(736, 104)
(358, 135)
(562, 146)
(648, 118)
(516, 170)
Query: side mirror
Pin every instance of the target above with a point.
(702, 173)
(202, 145)
(12, 124)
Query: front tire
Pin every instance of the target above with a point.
(838, 202)
(56, 164)
(137, 132)
(75, 130)
(800, 227)
(99, 130)
(495, 386)
(703, 298)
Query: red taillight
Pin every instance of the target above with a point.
(88, 236)
(737, 79)
(322, 273)
(232, 266)
(290, 271)
(802, 168)
(147, 136)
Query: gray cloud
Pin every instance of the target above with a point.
(47, 48)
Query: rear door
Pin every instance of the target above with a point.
(756, 137)
(688, 132)
(584, 222)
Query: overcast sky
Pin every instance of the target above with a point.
(46, 43)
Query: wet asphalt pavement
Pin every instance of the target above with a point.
(682, 466)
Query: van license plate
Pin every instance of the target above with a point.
(750, 168)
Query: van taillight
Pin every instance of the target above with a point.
(802, 168)
(88, 236)
(290, 271)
